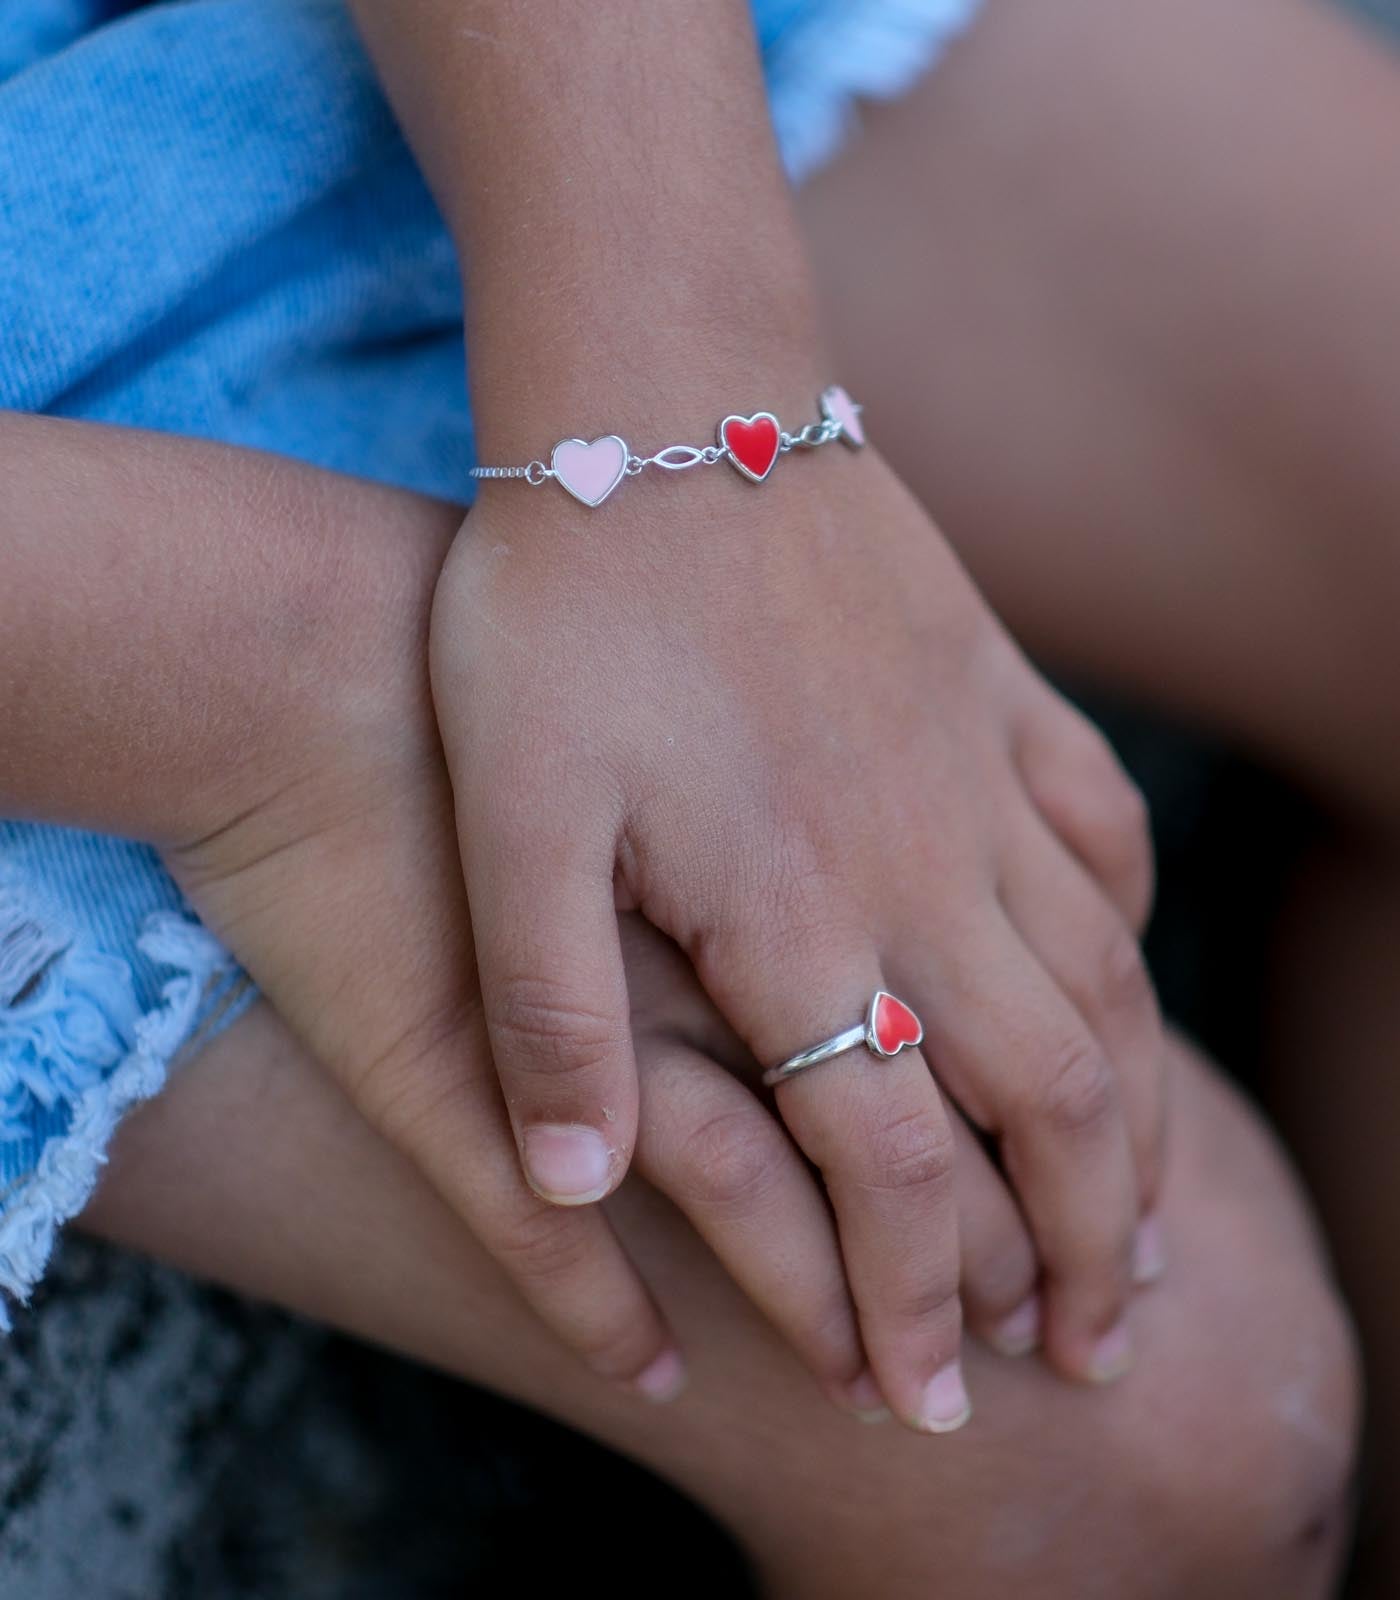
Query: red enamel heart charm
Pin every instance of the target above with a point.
(752, 443)
(891, 1026)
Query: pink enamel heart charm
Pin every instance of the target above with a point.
(891, 1026)
(590, 472)
(838, 407)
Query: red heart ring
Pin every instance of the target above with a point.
(752, 443)
(891, 1026)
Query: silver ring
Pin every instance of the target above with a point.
(889, 1027)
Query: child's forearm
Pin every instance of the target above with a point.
(168, 607)
(608, 169)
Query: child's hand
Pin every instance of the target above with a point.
(705, 1140)
(333, 873)
(777, 720)
(264, 715)
(782, 724)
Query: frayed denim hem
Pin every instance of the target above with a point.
(838, 52)
(76, 1051)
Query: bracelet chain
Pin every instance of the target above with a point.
(677, 457)
(590, 472)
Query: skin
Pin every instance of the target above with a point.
(253, 1133)
(1235, 1266)
(1195, 438)
(286, 758)
(1160, 367)
(1216, 1468)
(1338, 978)
(875, 790)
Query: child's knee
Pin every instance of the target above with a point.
(1236, 1440)
(1241, 1463)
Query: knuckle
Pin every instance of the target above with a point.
(1125, 813)
(932, 1299)
(786, 897)
(539, 1245)
(1077, 1097)
(911, 1151)
(1084, 786)
(538, 1025)
(417, 1077)
(727, 1161)
(1119, 818)
(1110, 801)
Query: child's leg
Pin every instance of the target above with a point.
(1216, 1469)
(1118, 284)
(1339, 991)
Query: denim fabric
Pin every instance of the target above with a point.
(210, 225)
(104, 978)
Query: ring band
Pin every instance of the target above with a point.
(889, 1027)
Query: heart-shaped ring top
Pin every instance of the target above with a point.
(590, 472)
(752, 443)
(838, 407)
(891, 1026)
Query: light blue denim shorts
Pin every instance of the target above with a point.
(210, 225)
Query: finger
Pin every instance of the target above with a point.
(878, 1133)
(999, 1265)
(1084, 944)
(372, 963)
(725, 1161)
(555, 996)
(439, 1102)
(1079, 787)
(1023, 1065)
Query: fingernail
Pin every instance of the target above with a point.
(862, 1397)
(664, 1379)
(1019, 1333)
(1112, 1355)
(1149, 1252)
(945, 1403)
(566, 1162)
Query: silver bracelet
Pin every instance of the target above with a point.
(591, 470)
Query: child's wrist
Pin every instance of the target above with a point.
(670, 389)
(647, 348)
